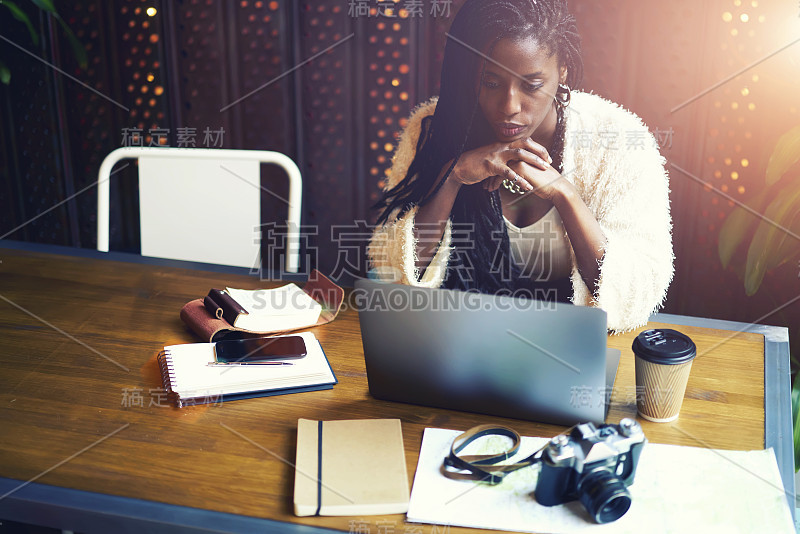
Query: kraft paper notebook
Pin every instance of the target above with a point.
(351, 467)
(189, 379)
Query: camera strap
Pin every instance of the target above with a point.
(483, 467)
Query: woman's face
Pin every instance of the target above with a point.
(518, 102)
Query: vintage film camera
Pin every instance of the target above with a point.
(594, 465)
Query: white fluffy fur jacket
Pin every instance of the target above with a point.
(613, 161)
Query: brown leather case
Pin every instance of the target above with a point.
(213, 327)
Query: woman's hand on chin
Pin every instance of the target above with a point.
(491, 164)
(546, 183)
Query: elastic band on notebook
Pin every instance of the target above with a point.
(319, 467)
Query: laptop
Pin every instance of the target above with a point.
(496, 355)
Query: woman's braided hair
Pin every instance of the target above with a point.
(481, 259)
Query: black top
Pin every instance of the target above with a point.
(664, 346)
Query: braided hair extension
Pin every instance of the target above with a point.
(482, 258)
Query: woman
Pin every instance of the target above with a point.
(511, 181)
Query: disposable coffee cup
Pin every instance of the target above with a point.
(663, 362)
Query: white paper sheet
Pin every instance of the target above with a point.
(677, 489)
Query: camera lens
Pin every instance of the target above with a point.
(604, 496)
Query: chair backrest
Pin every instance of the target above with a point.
(202, 204)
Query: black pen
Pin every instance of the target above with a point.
(250, 363)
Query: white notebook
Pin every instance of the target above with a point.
(189, 379)
(282, 308)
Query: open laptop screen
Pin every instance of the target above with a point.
(498, 355)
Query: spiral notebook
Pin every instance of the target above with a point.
(189, 379)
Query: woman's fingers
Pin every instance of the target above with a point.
(493, 183)
(523, 148)
(536, 159)
(537, 149)
(522, 155)
(521, 182)
(500, 172)
(543, 183)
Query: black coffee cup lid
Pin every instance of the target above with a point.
(664, 346)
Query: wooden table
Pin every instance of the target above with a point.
(84, 421)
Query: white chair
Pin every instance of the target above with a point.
(203, 205)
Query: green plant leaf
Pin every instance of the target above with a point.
(77, 47)
(22, 17)
(5, 74)
(788, 249)
(45, 5)
(761, 256)
(739, 224)
(786, 154)
(793, 354)
(796, 422)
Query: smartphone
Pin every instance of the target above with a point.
(259, 349)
